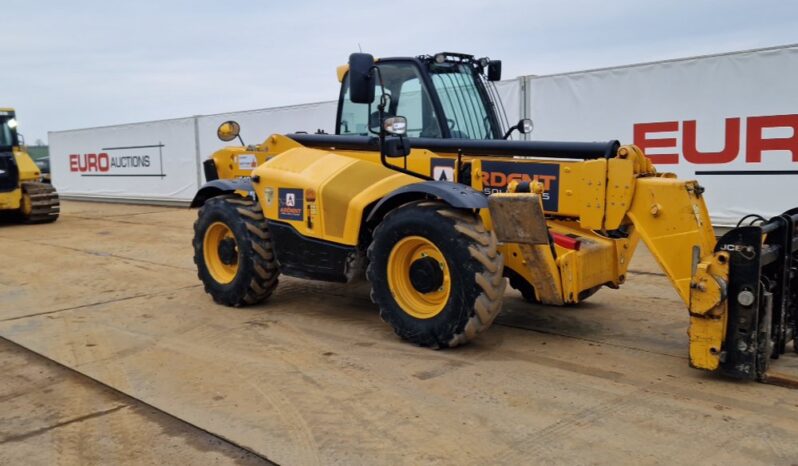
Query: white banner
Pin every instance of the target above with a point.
(729, 121)
(144, 161)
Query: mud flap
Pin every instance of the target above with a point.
(762, 296)
(518, 218)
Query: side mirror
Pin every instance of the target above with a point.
(361, 83)
(495, 70)
(228, 131)
(397, 147)
(400, 146)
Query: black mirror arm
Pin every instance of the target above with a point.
(510, 131)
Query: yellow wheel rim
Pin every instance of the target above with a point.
(220, 250)
(27, 204)
(417, 303)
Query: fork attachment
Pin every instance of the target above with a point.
(762, 295)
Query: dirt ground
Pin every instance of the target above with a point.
(313, 376)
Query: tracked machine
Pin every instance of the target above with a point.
(22, 192)
(422, 190)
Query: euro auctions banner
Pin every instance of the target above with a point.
(154, 161)
(730, 121)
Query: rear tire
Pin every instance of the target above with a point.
(243, 270)
(452, 311)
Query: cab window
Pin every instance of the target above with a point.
(409, 98)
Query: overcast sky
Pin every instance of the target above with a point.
(75, 64)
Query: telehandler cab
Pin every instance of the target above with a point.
(422, 189)
(21, 189)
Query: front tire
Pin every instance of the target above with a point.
(436, 274)
(233, 251)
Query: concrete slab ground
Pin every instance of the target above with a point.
(313, 376)
(52, 415)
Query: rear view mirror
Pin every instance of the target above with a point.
(495, 70)
(361, 83)
(228, 131)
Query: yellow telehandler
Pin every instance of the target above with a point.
(421, 189)
(21, 189)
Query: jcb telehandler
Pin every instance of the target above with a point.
(421, 188)
(21, 191)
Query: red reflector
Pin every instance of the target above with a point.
(566, 241)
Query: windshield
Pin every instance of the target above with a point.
(463, 102)
(8, 135)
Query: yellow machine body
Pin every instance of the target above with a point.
(21, 189)
(28, 171)
(566, 226)
(340, 186)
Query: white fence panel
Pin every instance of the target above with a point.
(730, 121)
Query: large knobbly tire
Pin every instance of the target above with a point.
(475, 269)
(256, 272)
(40, 203)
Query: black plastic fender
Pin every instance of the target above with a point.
(217, 187)
(455, 194)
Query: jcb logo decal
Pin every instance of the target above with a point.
(748, 252)
(497, 175)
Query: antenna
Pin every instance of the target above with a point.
(359, 47)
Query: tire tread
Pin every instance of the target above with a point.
(264, 278)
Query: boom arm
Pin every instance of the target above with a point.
(741, 291)
(672, 220)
